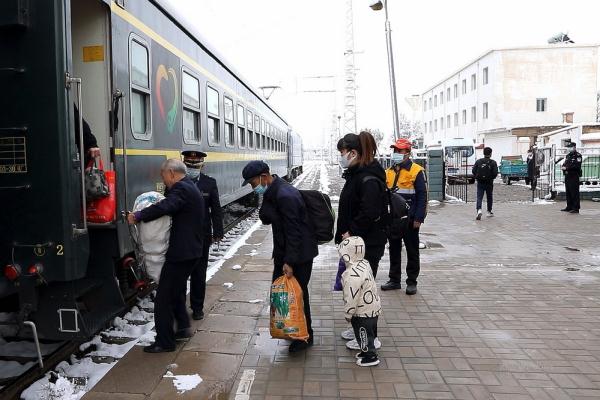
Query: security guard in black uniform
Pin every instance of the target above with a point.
(194, 161)
(572, 170)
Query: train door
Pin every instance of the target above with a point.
(90, 57)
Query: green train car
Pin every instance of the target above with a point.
(149, 86)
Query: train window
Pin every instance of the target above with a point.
(191, 108)
(250, 123)
(213, 116)
(241, 120)
(257, 130)
(140, 89)
(268, 134)
(229, 120)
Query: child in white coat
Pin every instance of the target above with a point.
(362, 305)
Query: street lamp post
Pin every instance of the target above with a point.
(378, 5)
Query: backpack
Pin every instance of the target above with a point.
(484, 170)
(321, 216)
(395, 215)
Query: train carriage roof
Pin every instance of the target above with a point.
(170, 9)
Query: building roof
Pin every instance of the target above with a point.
(585, 127)
(541, 47)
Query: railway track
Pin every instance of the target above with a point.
(11, 388)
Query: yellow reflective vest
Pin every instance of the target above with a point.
(406, 180)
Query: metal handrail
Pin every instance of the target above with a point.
(77, 81)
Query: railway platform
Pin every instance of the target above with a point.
(507, 308)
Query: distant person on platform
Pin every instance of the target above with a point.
(572, 170)
(408, 179)
(532, 169)
(185, 205)
(213, 226)
(294, 242)
(485, 171)
(90, 144)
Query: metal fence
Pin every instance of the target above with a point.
(550, 177)
(456, 176)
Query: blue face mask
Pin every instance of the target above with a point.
(193, 173)
(398, 158)
(260, 189)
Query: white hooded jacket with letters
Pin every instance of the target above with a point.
(360, 290)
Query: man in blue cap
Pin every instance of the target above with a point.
(294, 243)
(213, 231)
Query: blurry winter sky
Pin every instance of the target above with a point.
(282, 42)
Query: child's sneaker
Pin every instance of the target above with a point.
(370, 361)
(353, 344)
(348, 334)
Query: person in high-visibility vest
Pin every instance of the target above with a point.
(408, 179)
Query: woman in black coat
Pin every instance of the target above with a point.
(361, 206)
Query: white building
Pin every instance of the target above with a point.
(507, 97)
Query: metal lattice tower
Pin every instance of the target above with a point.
(350, 125)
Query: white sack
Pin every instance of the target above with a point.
(154, 235)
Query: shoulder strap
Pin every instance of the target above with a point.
(396, 179)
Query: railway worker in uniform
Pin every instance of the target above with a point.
(213, 226)
(572, 170)
(185, 205)
(408, 179)
(294, 243)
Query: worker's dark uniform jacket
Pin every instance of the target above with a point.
(572, 171)
(212, 205)
(572, 164)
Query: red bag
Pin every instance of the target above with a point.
(103, 210)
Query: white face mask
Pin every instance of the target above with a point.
(193, 173)
(344, 161)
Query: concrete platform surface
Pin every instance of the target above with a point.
(508, 308)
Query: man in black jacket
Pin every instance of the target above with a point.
(185, 205)
(213, 232)
(294, 242)
(572, 170)
(485, 171)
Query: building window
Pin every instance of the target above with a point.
(456, 90)
(464, 86)
(541, 105)
(141, 121)
(214, 116)
(448, 122)
(455, 119)
(485, 76)
(430, 127)
(448, 94)
(229, 121)
(425, 127)
(435, 125)
(464, 117)
(241, 120)
(473, 82)
(442, 123)
(263, 144)
(435, 100)
(441, 97)
(485, 111)
(191, 108)
(473, 114)
(430, 103)
(250, 123)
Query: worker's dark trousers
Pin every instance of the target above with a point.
(169, 304)
(198, 278)
(302, 274)
(373, 255)
(413, 264)
(572, 188)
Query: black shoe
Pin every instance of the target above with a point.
(154, 348)
(197, 315)
(299, 345)
(574, 212)
(411, 289)
(391, 285)
(184, 334)
(566, 209)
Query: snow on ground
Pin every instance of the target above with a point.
(183, 383)
(324, 179)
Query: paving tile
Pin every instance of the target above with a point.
(218, 342)
(228, 324)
